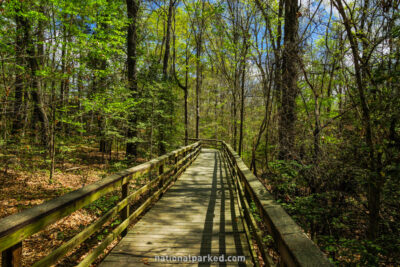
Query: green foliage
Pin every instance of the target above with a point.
(103, 204)
(83, 79)
(285, 176)
(254, 211)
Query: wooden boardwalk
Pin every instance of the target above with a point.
(197, 216)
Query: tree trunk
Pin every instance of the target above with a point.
(242, 110)
(185, 87)
(234, 121)
(186, 96)
(132, 10)
(198, 82)
(242, 96)
(39, 111)
(199, 47)
(289, 76)
(375, 179)
(164, 94)
(167, 39)
(20, 21)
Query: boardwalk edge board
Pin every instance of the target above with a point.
(293, 245)
(17, 227)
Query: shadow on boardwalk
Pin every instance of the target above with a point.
(197, 216)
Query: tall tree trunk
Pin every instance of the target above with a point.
(186, 94)
(133, 9)
(20, 21)
(198, 82)
(167, 39)
(164, 94)
(242, 110)
(64, 84)
(100, 64)
(63, 64)
(289, 76)
(199, 47)
(375, 179)
(185, 87)
(242, 96)
(39, 110)
(234, 105)
(264, 126)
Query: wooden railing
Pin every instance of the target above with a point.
(17, 227)
(292, 244)
(208, 143)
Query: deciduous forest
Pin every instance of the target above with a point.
(307, 92)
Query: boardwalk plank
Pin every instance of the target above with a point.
(197, 216)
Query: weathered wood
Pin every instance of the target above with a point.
(125, 211)
(15, 228)
(175, 163)
(120, 228)
(210, 143)
(177, 226)
(160, 171)
(294, 246)
(86, 233)
(35, 219)
(257, 233)
(111, 237)
(246, 228)
(205, 140)
(12, 257)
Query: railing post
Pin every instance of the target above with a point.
(175, 162)
(161, 171)
(12, 257)
(125, 210)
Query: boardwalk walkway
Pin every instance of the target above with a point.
(197, 216)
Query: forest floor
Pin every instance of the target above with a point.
(24, 183)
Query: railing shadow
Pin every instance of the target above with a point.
(206, 239)
(226, 193)
(222, 233)
(235, 227)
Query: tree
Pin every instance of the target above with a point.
(132, 39)
(290, 60)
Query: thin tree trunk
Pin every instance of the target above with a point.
(198, 82)
(242, 96)
(53, 135)
(20, 21)
(167, 39)
(234, 121)
(186, 95)
(242, 111)
(185, 87)
(199, 47)
(375, 179)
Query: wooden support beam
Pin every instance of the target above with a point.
(125, 210)
(12, 257)
(15, 228)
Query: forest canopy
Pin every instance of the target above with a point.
(307, 93)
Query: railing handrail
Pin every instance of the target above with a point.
(19, 226)
(204, 139)
(294, 247)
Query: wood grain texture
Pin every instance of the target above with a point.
(197, 216)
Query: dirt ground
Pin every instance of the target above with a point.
(24, 183)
